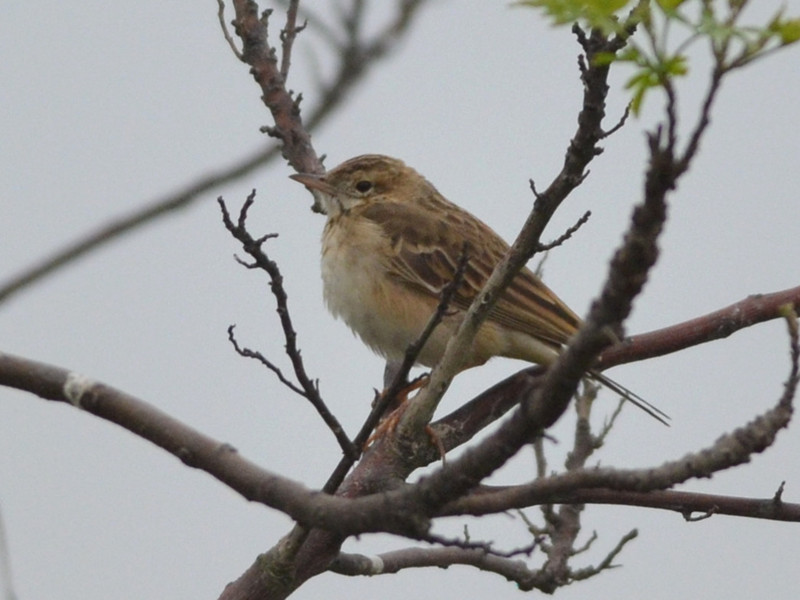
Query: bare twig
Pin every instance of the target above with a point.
(620, 124)
(582, 149)
(607, 562)
(248, 353)
(398, 560)
(252, 28)
(685, 502)
(288, 35)
(566, 235)
(712, 326)
(346, 76)
(121, 225)
(226, 34)
(513, 570)
(254, 247)
(777, 499)
(412, 352)
(681, 502)
(401, 375)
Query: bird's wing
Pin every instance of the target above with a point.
(426, 242)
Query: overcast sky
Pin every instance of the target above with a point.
(107, 107)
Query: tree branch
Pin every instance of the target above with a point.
(196, 450)
(716, 325)
(254, 247)
(348, 74)
(393, 562)
(687, 503)
(582, 149)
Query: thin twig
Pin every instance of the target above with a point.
(248, 353)
(399, 381)
(288, 36)
(254, 247)
(566, 235)
(347, 75)
(226, 34)
(413, 350)
(622, 120)
(607, 562)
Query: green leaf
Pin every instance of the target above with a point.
(675, 66)
(597, 13)
(603, 59)
(640, 83)
(669, 6)
(788, 31)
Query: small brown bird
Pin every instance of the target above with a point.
(392, 242)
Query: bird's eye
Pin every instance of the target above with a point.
(364, 186)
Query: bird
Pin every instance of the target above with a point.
(392, 243)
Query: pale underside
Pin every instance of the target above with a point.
(385, 263)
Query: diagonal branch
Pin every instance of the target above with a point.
(121, 225)
(467, 420)
(252, 27)
(343, 516)
(254, 247)
(391, 393)
(582, 149)
(716, 325)
(687, 503)
(348, 74)
(729, 450)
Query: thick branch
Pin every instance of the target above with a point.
(728, 451)
(582, 149)
(687, 503)
(712, 326)
(200, 451)
(393, 562)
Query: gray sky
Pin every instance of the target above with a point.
(104, 110)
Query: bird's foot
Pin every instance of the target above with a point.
(395, 409)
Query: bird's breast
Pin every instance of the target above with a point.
(358, 289)
(351, 268)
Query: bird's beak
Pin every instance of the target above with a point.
(314, 182)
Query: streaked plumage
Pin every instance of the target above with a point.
(392, 242)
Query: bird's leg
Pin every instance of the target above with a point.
(394, 410)
(398, 404)
(390, 371)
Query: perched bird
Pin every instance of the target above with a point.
(392, 242)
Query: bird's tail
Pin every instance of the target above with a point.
(631, 397)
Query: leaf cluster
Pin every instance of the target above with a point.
(656, 57)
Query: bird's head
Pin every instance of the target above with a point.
(361, 180)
